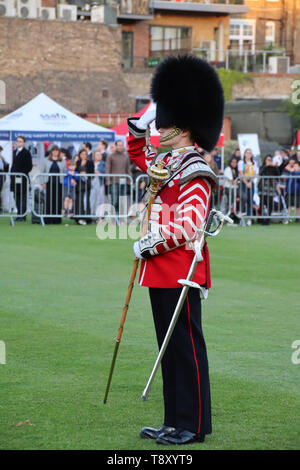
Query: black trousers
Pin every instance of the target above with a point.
(53, 200)
(185, 372)
(20, 195)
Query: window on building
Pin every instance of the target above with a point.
(247, 29)
(234, 45)
(242, 35)
(270, 32)
(234, 29)
(127, 49)
(169, 39)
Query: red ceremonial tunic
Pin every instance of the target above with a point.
(190, 204)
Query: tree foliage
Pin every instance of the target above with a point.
(229, 78)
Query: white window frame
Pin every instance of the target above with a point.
(270, 39)
(241, 37)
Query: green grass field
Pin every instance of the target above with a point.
(62, 293)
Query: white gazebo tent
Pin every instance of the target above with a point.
(44, 120)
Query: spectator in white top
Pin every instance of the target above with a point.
(247, 169)
(230, 175)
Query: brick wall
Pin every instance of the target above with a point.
(76, 63)
(49, 3)
(141, 41)
(286, 17)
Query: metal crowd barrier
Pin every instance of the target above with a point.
(275, 198)
(222, 200)
(95, 196)
(14, 196)
(85, 197)
(267, 197)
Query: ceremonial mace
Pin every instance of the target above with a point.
(158, 174)
(198, 245)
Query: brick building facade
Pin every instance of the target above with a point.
(274, 23)
(76, 63)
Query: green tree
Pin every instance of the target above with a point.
(229, 78)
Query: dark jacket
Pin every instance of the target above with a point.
(22, 163)
(268, 186)
(84, 182)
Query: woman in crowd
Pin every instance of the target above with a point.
(97, 185)
(236, 154)
(230, 175)
(247, 169)
(55, 166)
(83, 188)
(291, 174)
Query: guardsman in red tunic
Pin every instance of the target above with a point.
(189, 111)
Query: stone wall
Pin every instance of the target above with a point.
(268, 86)
(75, 63)
(262, 117)
(261, 86)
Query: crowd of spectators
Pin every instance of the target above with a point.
(85, 187)
(66, 187)
(249, 187)
(256, 187)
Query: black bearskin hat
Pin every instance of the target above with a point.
(189, 95)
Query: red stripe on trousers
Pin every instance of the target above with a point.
(196, 362)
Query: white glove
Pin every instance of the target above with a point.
(146, 118)
(146, 246)
(137, 250)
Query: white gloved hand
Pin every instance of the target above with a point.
(137, 251)
(146, 118)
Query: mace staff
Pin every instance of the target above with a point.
(158, 174)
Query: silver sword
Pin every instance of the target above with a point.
(198, 245)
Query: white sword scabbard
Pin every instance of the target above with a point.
(198, 245)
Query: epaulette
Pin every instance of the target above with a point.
(199, 169)
(193, 166)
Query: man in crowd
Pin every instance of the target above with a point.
(102, 147)
(88, 147)
(22, 163)
(118, 163)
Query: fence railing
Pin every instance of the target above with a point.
(265, 198)
(82, 197)
(230, 59)
(14, 195)
(86, 197)
(242, 61)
